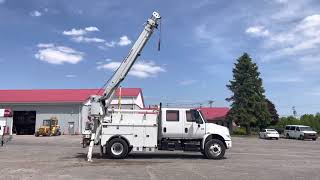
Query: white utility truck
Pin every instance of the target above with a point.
(5, 125)
(118, 132)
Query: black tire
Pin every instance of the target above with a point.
(117, 149)
(287, 136)
(84, 143)
(36, 134)
(277, 138)
(313, 139)
(130, 149)
(214, 149)
(301, 137)
(203, 153)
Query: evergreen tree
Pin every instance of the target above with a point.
(249, 106)
(273, 112)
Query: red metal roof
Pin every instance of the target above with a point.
(57, 95)
(214, 113)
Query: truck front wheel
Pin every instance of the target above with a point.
(214, 149)
(117, 148)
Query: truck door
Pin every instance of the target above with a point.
(172, 125)
(194, 127)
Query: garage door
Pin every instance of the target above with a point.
(24, 122)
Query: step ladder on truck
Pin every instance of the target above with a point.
(118, 132)
(6, 123)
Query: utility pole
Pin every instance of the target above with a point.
(294, 111)
(210, 103)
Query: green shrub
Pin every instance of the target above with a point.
(240, 131)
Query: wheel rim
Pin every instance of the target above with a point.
(117, 148)
(215, 149)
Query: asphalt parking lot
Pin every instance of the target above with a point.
(28, 157)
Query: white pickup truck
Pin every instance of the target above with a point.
(164, 129)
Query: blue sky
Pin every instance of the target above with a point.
(77, 44)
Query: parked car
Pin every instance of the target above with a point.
(269, 134)
(300, 132)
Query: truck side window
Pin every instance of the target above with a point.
(172, 115)
(292, 128)
(197, 117)
(190, 118)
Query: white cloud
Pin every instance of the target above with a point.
(42, 45)
(188, 82)
(299, 41)
(281, 1)
(124, 41)
(75, 32)
(87, 39)
(80, 32)
(111, 44)
(71, 76)
(285, 80)
(258, 31)
(54, 54)
(91, 29)
(140, 69)
(35, 14)
(79, 35)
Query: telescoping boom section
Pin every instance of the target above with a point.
(100, 104)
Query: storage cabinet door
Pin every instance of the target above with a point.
(138, 137)
(150, 136)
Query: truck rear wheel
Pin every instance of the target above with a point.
(214, 149)
(117, 148)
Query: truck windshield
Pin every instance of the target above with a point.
(306, 129)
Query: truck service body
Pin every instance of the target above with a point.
(118, 132)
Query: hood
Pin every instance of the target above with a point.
(216, 129)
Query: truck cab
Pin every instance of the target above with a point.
(188, 130)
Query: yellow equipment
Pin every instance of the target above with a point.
(50, 127)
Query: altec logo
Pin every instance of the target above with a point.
(5, 113)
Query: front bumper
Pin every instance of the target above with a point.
(229, 144)
(310, 136)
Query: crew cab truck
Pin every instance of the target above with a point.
(165, 129)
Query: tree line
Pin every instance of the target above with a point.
(250, 108)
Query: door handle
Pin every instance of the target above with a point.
(164, 129)
(186, 130)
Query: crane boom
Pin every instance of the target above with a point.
(99, 103)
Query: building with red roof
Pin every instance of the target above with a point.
(31, 107)
(216, 115)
